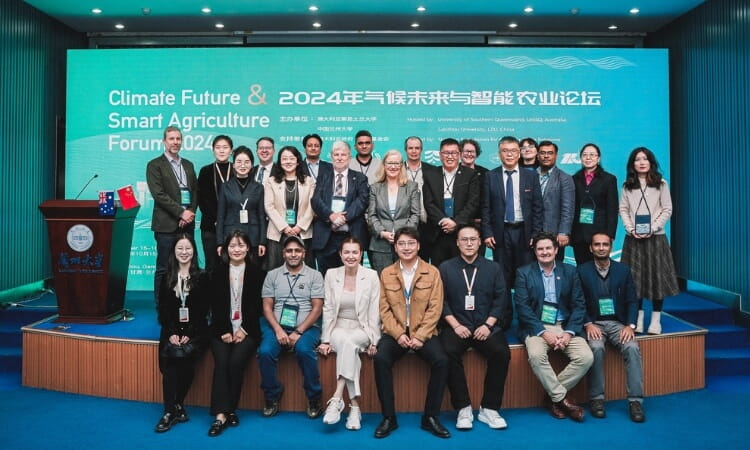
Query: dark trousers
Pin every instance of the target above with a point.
(177, 377)
(512, 253)
(208, 240)
(389, 352)
(443, 248)
(497, 353)
(230, 361)
(582, 253)
(328, 257)
(164, 244)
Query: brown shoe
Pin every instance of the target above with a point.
(572, 410)
(554, 409)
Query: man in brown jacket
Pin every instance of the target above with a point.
(411, 302)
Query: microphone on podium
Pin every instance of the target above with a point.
(86, 185)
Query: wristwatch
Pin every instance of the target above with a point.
(632, 326)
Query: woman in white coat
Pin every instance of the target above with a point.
(351, 324)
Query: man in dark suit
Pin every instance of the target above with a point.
(265, 150)
(611, 310)
(551, 311)
(451, 198)
(340, 203)
(558, 196)
(174, 188)
(511, 213)
(314, 166)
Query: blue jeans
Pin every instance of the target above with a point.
(307, 358)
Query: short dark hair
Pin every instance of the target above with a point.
(542, 235)
(222, 137)
(406, 141)
(473, 226)
(406, 231)
(472, 142)
(448, 141)
(506, 139)
(596, 233)
(242, 149)
(312, 136)
(171, 128)
(546, 143)
(361, 133)
(528, 140)
(264, 138)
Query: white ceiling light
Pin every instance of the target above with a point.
(313, 8)
(528, 10)
(612, 27)
(119, 26)
(513, 25)
(219, 25)
(206, 10)
(634, 10)
(415, 25)
(317, 24)
(96, 11)
(421, 9)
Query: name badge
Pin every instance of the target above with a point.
(338, 204)
(549, 314)
(288, 317)
(586, 216)
(184, 315)
(237, 315)
(243, 216)
(469, 302)
(643, 224)
(291, 217)
(448, 206)
(184, 197)
(606, 307)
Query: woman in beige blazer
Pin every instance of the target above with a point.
(287, 194)
(351, 324)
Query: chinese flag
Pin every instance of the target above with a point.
(127, 197)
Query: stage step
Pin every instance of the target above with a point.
(697, 310)
(730, 361)
(10, 359)
(727, 336)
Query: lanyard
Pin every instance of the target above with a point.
(449, 184)
(364, 168)
(643, 198)
(310, 169)
(413, 173)
(244, 204)
(470, 285)
(236, 281)
(291, 285)
(182, 289)
(179, 175)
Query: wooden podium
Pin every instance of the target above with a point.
(90, 257)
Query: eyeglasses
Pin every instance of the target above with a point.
(469, 152)
(392, 164)
(509, 151)
(449, 154)
(466, 240)
(406, 244)
(589, 155)
(244, 163)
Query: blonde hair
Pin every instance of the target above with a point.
(380, 175)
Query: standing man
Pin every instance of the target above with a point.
(611, 311)
(474, 300)
(174, 188)
(265, 150)
(411, 301)
(511, 213)
(558, 196)
(364, 161)
(451, 197)
(340, 204)
(551, 311)
(415, 168)
(314, 166)
(292, 304)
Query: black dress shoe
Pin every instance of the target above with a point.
(180, 413)
(314, 408)
(166, 422)
(232, 419)
(272, 406)
(217, 427)
(597, 408)
(433, 425)
(636, 412)
(387, 425)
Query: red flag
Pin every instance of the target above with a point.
(127, 197)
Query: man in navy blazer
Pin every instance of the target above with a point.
(611, 311)
(558, 196)
(507, 228)
(314, 166)
(551, 310)
(340, 203)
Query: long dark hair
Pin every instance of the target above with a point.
(277, 173)
(599, 167)
(241, 235)
(173, 267)
(653, 177)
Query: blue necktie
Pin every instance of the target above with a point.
(510, 215)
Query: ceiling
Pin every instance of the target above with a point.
(244, 17)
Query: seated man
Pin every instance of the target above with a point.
(292, 304)
(474, 303)
(551, 309)
(611, 303)
(411, 301)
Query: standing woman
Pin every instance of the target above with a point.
(210, 179)
(394, 204)
(235, 330)
(182, 311)
(288, 192)
(529, 153)
(645, 208)
(351, 324)
(595, 204)
(241, 207)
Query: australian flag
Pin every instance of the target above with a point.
(106, 203)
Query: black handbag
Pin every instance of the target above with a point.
(190, 349)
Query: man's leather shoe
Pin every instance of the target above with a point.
(572, 410)
(387, 425)
(217, 427)
(554, 409)
(180, 413)
(314, 408)
(166, 422)
(636, 412)
(597, 408)
(232, 419)
(433, 425)
(271, 407)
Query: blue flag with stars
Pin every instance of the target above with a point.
(106, 203)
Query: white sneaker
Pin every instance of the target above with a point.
(333, 411)
(492, 419)
(354, 419)
(465, 418)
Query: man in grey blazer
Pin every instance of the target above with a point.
(558, 196)
(174, 188)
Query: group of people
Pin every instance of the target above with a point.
(285, 241)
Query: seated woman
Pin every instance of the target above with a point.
(394, 204)
(182, 312)
(235, 331)
(351, 324)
